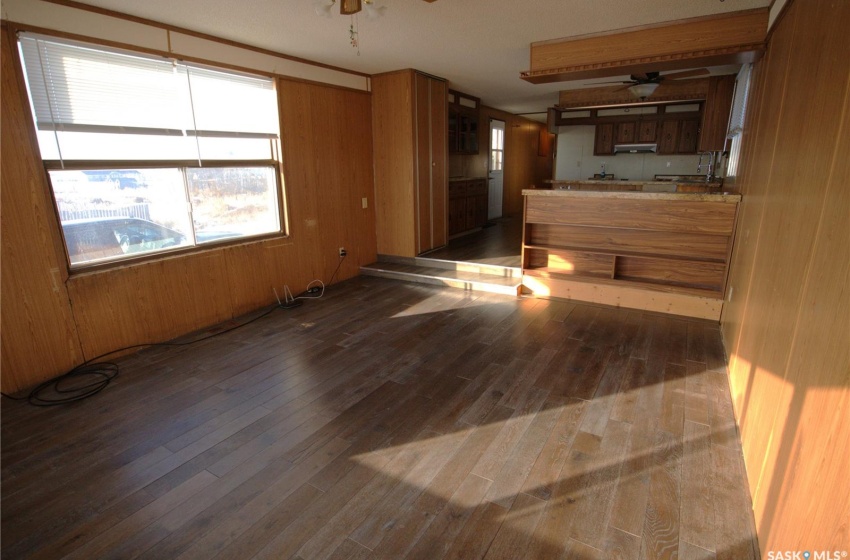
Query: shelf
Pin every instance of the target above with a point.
(667, 288)
(552, 272)
(613, 253)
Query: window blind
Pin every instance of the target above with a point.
(739, 101)
(77, 87)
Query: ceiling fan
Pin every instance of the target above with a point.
(643, 85)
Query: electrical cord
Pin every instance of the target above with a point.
(339, 264)
(98, 375)
(312, 291)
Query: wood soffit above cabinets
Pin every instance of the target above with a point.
(558, 117)
(734, 38)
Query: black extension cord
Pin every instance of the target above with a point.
(339, 264)
(96, 376)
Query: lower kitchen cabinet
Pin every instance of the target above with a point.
(467, 205)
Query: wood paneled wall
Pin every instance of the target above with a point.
(52, 322)
(395, 166)
(524, 166)
(786, 326)
(38, 332)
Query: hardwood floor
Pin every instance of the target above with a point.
(499, 244)
(394, 420)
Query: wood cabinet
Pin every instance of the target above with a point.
(688, 136)
(647, 131)
(468, 201)
(678, 136)
(626, 132)
(604, 143)
(409, 118)
(675, 133)
(629, 132)
(677, 245)
(668, 140)
(715, 116)
(463, 123)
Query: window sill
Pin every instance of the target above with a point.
(281, 239)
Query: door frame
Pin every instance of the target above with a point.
(490, 161)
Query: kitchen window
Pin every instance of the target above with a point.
(147, 154)
(737, 118)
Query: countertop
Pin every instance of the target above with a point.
(611, 183)
(704, 197)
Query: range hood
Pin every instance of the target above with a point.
(635, 148)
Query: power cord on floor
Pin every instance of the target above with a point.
(339, 264)
(98, 375)
(314, 290)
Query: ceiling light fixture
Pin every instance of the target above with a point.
(642, 91)
(373, 11)
(323, 7)
(351, 8)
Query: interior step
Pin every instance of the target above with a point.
(444, 276)
(481, 268)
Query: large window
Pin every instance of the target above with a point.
(147, 154)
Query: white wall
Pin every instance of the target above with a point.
(576, 161)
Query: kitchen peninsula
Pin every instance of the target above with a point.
(657, 251)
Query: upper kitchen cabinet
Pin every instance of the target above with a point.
(463, 123)
(668, 140)
(410, 125)
(603, 143)
(679, 129)
(688, 135)
(626, 132)
(715, 116)
(647, 132)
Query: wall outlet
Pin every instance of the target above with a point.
(342, 252)
(668, 164)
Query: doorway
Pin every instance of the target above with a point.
(499, 243)
(496, 168)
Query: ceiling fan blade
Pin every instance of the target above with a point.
(686, 74)
(625, 87)
(641, 76)
(615, 82)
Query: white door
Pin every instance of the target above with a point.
(496, 168)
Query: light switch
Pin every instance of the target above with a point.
(365, 202)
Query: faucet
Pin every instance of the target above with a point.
(710, 175)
